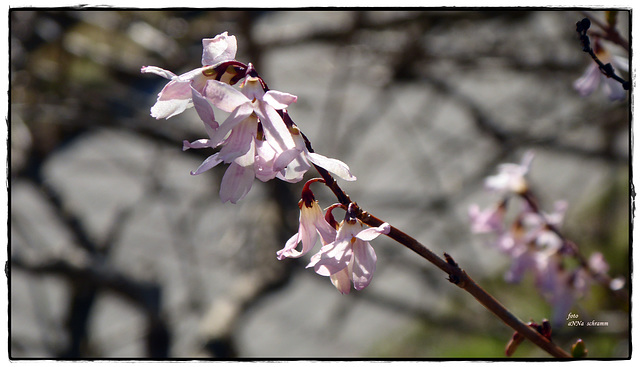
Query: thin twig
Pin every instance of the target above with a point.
(582, 27)
(610, 32)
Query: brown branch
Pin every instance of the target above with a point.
(464, 281)
(449, 266)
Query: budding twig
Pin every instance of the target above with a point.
(609, 29)
(606, 69)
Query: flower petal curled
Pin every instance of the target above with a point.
(220, 48)
(158, 71)
(332, 258)
(335, 166)
(279, 100)
(370, 234)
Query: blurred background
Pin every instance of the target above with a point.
(117, 252)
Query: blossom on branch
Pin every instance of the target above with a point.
(254, 139)
(312, 223)
(350, 258)
(346, 256)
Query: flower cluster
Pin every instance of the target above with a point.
(534, 243)
(257, 139)
(346, 256)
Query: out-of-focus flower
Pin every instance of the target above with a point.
(487, 221)
(540, 227)
(531, 241)
(534, 243)
(593, 77)
(560, 287)
(176, 96)
(350, 258)
(511, 176)
(598, 264)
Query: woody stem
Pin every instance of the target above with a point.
(449, 266)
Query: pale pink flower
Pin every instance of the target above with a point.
(529, 241)
(254, 139)
(559, 287)
(249, 156)
(234, 145)
(511, 176)
(490, 220)
(350, 258)
(176, 96)
(540, 228)
(238, 178)
(617, 283)
(270, 162)
(312, 223)
(520, 245)
(524, 258)
(598, 264)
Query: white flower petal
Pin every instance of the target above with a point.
(364, 264)
(242, 113)
(170, 108)
(275, 129)
(278, 100)
(335, 166)
(341, 281)
(370, 234)
(158, 71)
(588, 82)
(204, 109)
(210, 162)
(218, 49)
(198, 144)
(224, 96)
